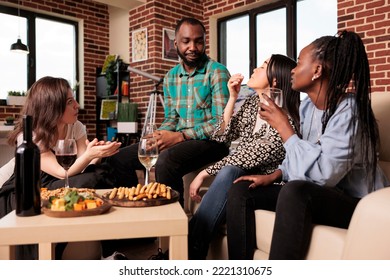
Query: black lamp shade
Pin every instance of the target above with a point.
(19, 47)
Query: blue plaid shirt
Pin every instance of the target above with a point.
(195, 101)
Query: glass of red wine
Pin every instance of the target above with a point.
(66, 155)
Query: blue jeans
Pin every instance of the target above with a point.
(211, 212)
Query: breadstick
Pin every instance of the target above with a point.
(143, 189)
(140, 196)
(138, 189)
(149, 186)
(131, 193)
(113, 193)
(163, 188)
(121, 193)
(153, 188)
(168, 193)
(158, 188)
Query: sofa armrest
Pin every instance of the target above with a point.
(368, 234)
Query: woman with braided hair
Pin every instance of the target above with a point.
(326, 171)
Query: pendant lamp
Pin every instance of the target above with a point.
(19, 47)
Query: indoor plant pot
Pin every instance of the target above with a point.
(127, 118)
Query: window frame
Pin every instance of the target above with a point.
(291, 28)
(30, 17)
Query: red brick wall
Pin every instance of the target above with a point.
(371, 19)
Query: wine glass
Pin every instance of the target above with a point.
(276, 95)
(148, 153)
(66, 155)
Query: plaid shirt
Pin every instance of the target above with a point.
(194, 102)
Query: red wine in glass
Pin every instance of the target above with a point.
(66, 155)
(66, 161)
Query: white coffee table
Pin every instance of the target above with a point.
(169, 222)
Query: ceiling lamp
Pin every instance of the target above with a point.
(19, 47)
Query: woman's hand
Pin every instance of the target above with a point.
(276, 117)
(260, 180)
(234, 85)
(100, 149)
(195, 185)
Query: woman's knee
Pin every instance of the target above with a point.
(294, 192)
(231, 171)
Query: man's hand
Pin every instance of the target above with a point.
(166, 139)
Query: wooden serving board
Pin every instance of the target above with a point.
(141, 203)
(69, 214)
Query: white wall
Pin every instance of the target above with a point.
(119, 33)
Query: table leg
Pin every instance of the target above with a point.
(46, 251)
(5, 252)
(163, 243)
(178, 247)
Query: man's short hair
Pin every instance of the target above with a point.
(192, 21)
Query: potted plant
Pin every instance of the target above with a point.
(9, 120)
(127, 118)
(16, 98)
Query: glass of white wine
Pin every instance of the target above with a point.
(276, 95)
(148, 153)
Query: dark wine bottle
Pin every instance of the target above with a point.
(27, 173)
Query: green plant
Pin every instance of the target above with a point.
(10, 119)
(127, 112)
(16, 93)
(111, 77)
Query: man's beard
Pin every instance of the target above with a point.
(193, 63)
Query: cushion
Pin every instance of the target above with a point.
(6, 171)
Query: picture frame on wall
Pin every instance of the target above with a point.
(169, 50)
(109, 109)
(140, 44)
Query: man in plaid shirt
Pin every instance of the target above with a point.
(195, 94)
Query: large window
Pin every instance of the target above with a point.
(52, 43)
(284, 27)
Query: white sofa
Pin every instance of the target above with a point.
(368, 235)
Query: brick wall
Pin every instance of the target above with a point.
(371, 20)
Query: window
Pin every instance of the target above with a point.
(52, 43)
(283, 27)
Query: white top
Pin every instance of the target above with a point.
(76, 131)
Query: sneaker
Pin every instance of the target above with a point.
(160, 255)
(116, 256)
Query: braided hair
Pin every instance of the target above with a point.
(345, 65)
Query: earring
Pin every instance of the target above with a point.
(313, 78)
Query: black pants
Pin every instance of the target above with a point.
(298, 205)
(172, 163)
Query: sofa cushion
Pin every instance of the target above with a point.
(6, 171)
(264, 224)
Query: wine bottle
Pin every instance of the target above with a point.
(27, 173)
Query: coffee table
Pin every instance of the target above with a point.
(169, 222)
